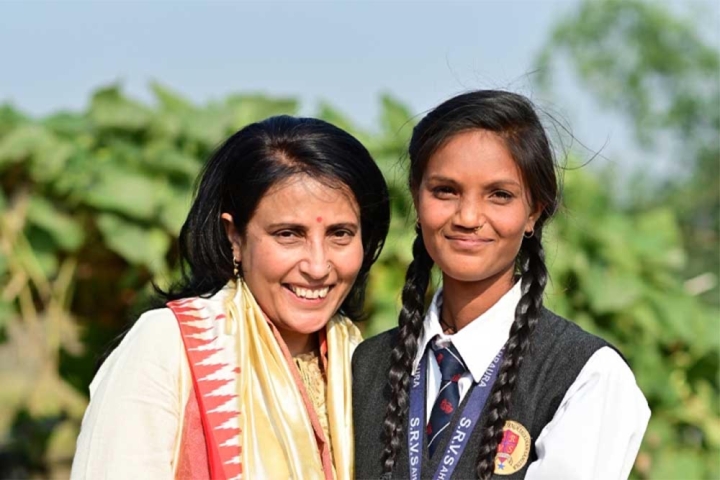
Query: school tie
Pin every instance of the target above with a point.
(448, 399)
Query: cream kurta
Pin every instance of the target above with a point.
(133, 425)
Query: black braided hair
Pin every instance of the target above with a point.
(534, 278)
(512, 117)
(417, 280)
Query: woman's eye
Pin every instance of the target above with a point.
(342, 236)
(286, 235)
(443, 191)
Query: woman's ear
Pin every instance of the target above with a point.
(232, 235)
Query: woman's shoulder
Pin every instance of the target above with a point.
(153, 341)
(154, 330)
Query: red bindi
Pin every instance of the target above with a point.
(319, 219)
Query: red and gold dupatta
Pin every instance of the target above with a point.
(256, 418)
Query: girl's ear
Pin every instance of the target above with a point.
(233, 236)
(533, 217)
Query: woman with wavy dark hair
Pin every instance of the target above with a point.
(487, 382)
(247, 371)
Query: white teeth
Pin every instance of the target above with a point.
(308, 293)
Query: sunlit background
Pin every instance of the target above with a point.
(108, 109)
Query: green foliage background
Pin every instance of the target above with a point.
(91, 203)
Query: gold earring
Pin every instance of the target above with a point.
(236, 268)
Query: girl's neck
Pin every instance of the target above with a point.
(463, 302)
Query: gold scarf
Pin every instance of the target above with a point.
(277, 438)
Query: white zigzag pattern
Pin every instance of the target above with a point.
(226, 372)
(232, 423)
(234, 441)
(217, 358)
(201, 348)
(201, 323)
(229, 406)
(205, 336)
(222, 390)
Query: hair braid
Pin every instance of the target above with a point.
(417, 280)
(534, 278)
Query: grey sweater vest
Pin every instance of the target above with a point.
(558, 351)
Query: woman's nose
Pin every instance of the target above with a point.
(316, 263)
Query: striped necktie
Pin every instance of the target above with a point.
(451, 369)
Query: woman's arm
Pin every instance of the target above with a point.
(597, 429)
(130, 427)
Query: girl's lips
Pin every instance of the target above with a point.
(468, 243)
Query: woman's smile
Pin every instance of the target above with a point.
(300, 265)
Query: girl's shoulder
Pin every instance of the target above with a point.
(561, 348)
(564, 335)
(375, 345)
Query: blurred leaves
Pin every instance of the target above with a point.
(92, 202)
(643, 273)
(646, 62)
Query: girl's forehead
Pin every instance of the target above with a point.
(472, 156)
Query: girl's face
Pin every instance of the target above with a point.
(300, 253)
(473, 209)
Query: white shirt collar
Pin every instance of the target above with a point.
(481, 340)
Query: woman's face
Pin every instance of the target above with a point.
(473, 209)
(300, 253)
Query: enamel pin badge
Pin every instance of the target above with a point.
(514, 450)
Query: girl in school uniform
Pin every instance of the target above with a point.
(487, 383)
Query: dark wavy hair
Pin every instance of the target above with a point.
(513, 118)
(246, 166)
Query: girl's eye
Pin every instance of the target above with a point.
(502, 195)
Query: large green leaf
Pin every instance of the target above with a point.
(137, 244)
(110, 109)
(23, 142)
(127, 192)
(64, 229)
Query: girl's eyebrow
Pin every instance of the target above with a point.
(503, 182)
(441, 178)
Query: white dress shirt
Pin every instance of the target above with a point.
(597, 429)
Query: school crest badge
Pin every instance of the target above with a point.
(514, 449)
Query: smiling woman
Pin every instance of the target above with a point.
(300, 268)
(247, 372)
